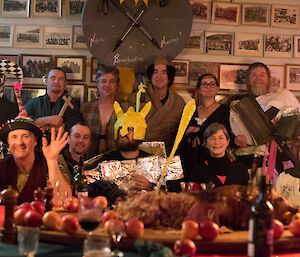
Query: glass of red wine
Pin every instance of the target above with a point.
(89, 215)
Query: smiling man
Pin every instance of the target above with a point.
(26, 168)
(45, 109)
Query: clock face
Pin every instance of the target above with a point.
(115, 39)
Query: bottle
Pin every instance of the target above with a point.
(261, 236)
(81, 188)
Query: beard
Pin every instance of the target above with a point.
(128, 146)
(259, 88)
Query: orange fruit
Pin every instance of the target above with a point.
(101, 201)
(52, 220)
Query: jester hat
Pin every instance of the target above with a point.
(22, 121)
(132, 119)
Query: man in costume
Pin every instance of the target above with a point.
(79, 143)
(164, 116)
(26, 168)
(99, 114)
(45, 109)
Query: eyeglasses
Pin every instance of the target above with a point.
(211, 84)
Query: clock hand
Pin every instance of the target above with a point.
(127, 31)
(125, 11)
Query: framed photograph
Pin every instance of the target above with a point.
(218, 43)
(46, 8)
(73, 66)
(225, 13)
(77, 92)
(6, 35)
(28, 36)
(78, 38)
(292, 74)
(35, 67)
(94, 67)
(256, 14)
(13, 58)
(297, 46)
(28, 93)
(195, 41)
(277, 76)
(279, 46)
(248, 44)
(57, 37)
(74, 8)
(92, 94)
(15, 8)
(199, 68)
(201, 10)
(285, 16)
(182, 71)
(233, 76)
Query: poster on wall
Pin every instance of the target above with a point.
(233, 76)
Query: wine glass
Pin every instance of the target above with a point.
(89, 215)
(115, 228)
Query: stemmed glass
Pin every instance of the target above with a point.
(115, 228)
(89, 215)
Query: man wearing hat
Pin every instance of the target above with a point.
(26, 168)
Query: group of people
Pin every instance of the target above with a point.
(36, 160)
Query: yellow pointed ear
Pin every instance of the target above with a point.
(145, 110)
(118, 110)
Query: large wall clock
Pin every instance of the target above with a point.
(133, 33)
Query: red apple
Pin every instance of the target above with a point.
(189, 229)
(71, 204)
(26, 206)
(208, 230)
(184, 247)
(86, 202)
(114, 226)
(38, 206)
(109, 215)
(33, 218)
(69, 224)
(278, 228)
(294, 227)
(19, 216)
(134, 228)
(52, 220)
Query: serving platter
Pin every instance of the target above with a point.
(226, 243)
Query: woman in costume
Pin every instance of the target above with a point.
(218, 168)
(207, 112)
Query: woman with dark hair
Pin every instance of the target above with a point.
(207, 112)
(218, 168)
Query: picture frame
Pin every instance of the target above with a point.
(195, 41)
(277, 76)
(15, 8)
(6, 35)
(201, 11)
(57, 37)
(35, 68)
(46, 8)
(74, 8)
(278, 45)
(225, 13)
(77, 92)
(13, 58)
(196, 69)
(248, 44)
(94, 68)
(292, 75)
(285, 16)
(78, 38)
(92, 94)
(256, 14)
(73, 66)
(28, 93)
(182, 71)
(297, 46)
(218, 43)
(28, 36)
(233, 76)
